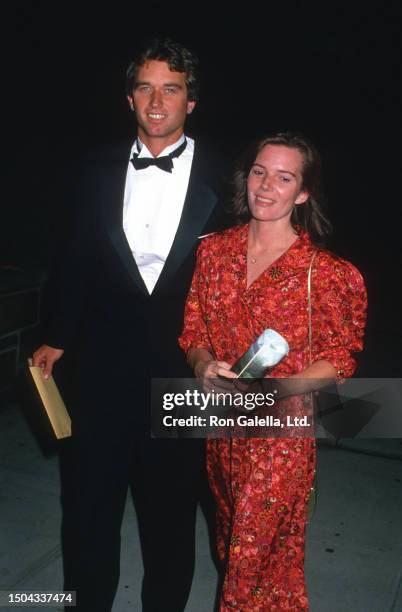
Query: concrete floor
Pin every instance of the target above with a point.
(354, 543)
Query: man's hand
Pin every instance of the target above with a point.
(45, 357)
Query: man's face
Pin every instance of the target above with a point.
(274, 184)
(160, 103)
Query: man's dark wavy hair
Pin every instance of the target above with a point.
(308, 216)
(178, 58)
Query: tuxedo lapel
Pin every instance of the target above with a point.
(198, 206)
(112, 196)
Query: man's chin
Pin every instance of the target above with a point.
(156, 132)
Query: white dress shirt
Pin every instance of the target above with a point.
(153, 204)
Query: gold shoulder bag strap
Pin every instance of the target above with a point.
(313, 493)
(310, 327)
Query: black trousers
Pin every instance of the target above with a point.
(98, 464)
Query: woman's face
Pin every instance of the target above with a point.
(274, 184)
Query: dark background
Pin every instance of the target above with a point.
(330, 69)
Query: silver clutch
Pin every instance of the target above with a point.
(264, 353)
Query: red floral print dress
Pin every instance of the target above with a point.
(261, 486)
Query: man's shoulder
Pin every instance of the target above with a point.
(210, 163)
(107, 153)
(212, 169)
(98, 164)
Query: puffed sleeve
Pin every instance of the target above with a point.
(339, 307)
(195, 331)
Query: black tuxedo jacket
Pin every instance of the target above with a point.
(103, 314)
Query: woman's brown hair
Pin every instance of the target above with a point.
(308, 216)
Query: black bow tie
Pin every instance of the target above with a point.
(164, 163)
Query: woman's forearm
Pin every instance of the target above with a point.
(314, 377)
(197, 359)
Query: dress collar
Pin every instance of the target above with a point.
(296, 257)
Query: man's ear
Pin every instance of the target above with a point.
(190, 107)
(302, 197)
(130, 102)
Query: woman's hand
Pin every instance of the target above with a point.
(215, 375)
(212, 373)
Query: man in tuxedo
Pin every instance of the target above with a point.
(118, 309)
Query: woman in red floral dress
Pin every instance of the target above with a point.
(249, 278)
